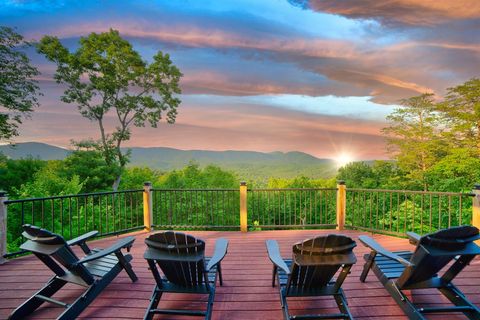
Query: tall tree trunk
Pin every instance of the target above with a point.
(116, 183)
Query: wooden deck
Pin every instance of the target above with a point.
(246, 293)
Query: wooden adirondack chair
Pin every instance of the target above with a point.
(310, 273)
(185, 268)
(94, 271)
(404, 270)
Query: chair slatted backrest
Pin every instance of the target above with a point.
(315, 261)
(52, 249)
(180, 257)
(435, 250)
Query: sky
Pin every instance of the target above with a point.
(317, 76)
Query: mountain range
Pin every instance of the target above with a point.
(247, 164)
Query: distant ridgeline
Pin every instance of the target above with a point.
(247, 164)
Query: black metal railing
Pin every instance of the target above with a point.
(73, 215)
(291, 208)
(196, 208)
(384, 211)
(399, 211)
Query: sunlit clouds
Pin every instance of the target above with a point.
(317, 76)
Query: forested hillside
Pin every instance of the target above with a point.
(247, 164)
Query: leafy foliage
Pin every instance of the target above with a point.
(193, 177)
(48, 181)
(461, 109)
(90, 166)
(18, 89)
(456, 172)
(13, 173)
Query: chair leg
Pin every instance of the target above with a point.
(219, 270)
(458, 299)
(82, 302)
(154, 300)
(274, 273)
(126, 265)
(408, 307)
(283, 301)
(342, 304)
(368, 266)
(53, 285)
(211, 297)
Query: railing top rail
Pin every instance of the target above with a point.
(211, 189)
(294, 189)
(73, 196)
(413, 192)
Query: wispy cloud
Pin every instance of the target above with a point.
(408, 12)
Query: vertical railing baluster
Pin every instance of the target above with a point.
(421, 213)
(439, 212)
(61, 214)
(70, 221)
(449, 211)
(460, 211)
(23, 215)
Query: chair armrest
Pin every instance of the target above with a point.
(221, 246)
(275, 257)
(123, 243)
(413, 237)
(80, 239)
(375, 246)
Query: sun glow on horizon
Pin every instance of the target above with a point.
(343, 158)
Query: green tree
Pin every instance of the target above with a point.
(134, 178)
(48, 182)
(414, 136)
(106, 74)
(18, 90)
(461, 108)
(193, 177)
(457, 172)
(91, 168)
(300, 182)
(357, 175)
(14, 173)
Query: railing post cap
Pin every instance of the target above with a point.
(147, 184)
(243, 183)
(3, 193)
(341, 182)
(476, 186)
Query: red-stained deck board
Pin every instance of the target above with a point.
(247, 292)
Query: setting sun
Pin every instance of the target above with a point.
(343, 159)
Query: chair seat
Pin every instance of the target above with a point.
(102, 266)
(391, 269)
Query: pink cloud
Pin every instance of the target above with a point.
(409, 12)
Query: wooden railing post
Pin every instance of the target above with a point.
(243, 207)
(147, 206)
(476, 206)
(3, 226)
(341, 204)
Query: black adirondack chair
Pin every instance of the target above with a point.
(185, 268)
(310, 273)
(404, 270)
(94, 271)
